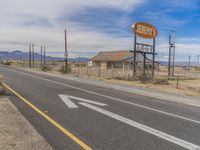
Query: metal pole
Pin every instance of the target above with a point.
(41, 56)
(33, 55)
(134, 55)
(169, 61)
(189, 61)
(78, 65)
(173, 63)
(172, 36)
(144, 64)
(44, 55)
(30, 55)
(154, 47)
(66, 53)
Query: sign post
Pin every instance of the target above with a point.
(134, 56)
(171, 61)
(145, 31)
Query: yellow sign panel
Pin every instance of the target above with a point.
(144, 30)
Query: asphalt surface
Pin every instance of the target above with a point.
(111, 127)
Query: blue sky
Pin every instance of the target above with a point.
(98, 25)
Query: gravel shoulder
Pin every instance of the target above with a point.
(16, 133)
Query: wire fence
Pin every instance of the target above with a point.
(116, 73)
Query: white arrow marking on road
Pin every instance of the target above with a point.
(160, 134)
(67, 101)
(145, 128)
(70, 104)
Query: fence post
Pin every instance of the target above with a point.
(99, 73)
(78, 70)
(87, 72)
(177, 82)
(184, 74)
(196, 74)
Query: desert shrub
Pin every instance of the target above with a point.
(197, 68)
(45, 68)
(144, 78)
(161, 81)
(63, 69)
(8, 63)
(2, 90)
(1, 79)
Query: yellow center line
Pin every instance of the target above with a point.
(57, 125)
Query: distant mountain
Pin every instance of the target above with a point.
(163, 62)
(80, 59)
(179, 63)
(19, 55)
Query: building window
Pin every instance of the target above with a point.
(109, 65)
(97, 64)
(117, 64)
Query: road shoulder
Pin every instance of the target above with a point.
(16, 132)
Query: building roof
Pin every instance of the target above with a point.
(112, 55)
(125, 55)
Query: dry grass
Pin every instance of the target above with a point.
(186, 87)
(1, 78)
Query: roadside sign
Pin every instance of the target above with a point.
(144, 30)
(65, 54)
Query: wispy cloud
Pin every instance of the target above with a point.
(43, 22)
(93, 25)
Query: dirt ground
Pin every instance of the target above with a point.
(185, 87)
(188, 82)
(16, 133)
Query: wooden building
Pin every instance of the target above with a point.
(119, 59)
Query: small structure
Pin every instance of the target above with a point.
(119, 59)
(145, 31)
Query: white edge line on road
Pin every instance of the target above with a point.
(144, 128)
(67, 101)
(115, 99)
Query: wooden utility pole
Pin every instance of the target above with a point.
(198, 56)
(33, 54)
(41, 56)
(44, 55)
(30, 55)
(189, 57)
(66, 52)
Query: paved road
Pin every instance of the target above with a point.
(103, 119)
